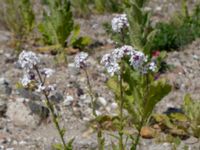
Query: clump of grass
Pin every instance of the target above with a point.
(19, 18)
(181, 30)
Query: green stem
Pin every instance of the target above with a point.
(121, 145)
(51, 108)
(93, 101)
(100, 140)
(146, 91)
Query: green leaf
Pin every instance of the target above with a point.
(70, 144)
(57, 146)
(157, 90)
(179, 117)
(163, 119)
(113, 85)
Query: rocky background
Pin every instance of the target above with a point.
(24, 120)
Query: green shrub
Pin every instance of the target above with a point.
(108, 5)
(19, 19)
(181, 30)
(192, 110)
(81, 8)
(57, 23)
(58, 28)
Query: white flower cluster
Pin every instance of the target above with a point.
(80, 60)
(29, 63)
(119, 22)
(28, 60)
(152, 66)
(48, 88)
(110, 63)
(47, 72)
(137, 60)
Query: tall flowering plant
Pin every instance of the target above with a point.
(35, 78)
(134, 84)
(82, 64)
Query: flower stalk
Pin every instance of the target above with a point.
(80, 62)
(51, 108)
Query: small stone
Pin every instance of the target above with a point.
(114, 106)
(38, 109)
(14, 142)
(68, 100)
(108, 109)
(5, 88)
(83, 97)
(98, 113)
(3, 107)
(1, 51)
(10, 148)
(22, 142)
(29, 95)
(101, 101)
(57, 97)
(195, 57)
(147, 132)
(72, 69)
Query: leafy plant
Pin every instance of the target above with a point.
(108, 5)
(140, 30)
(81, 8)
(192, 111)
(182, 29)
(58, 25)
(19, 19)
(35, 79)
(58, 22)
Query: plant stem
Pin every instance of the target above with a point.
(121, 145)
(138, 135)
(93, 102)
(51, 108)
(121, 127)
(146, 91)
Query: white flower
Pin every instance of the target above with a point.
(107, 59)
(48, 72)
(110, 63)
(113, 68)
(137, 60)
(125, 50)
(128, 50)
(25, 80)
(152, 66)
(119, 22)
(51, 87)
(80, 60)
(40, 88)
(118, 53)
(27, 60)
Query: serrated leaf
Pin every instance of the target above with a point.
(157, 90)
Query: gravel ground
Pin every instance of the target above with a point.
(22, 128)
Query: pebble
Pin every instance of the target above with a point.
(5, 88)
(114, 106)
(68, 100)
(102, 101)
(3, 107)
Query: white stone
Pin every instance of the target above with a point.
(68, 100)
(102, 101)
(114, 105)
